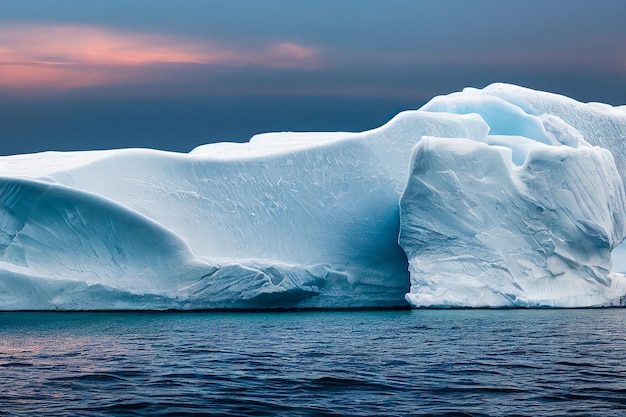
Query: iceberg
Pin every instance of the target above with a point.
(480, 198)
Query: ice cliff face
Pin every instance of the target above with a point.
(527, 215)
(481, 231)
(516, 209)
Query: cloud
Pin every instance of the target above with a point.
(35, 56)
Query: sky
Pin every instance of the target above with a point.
(172, 75)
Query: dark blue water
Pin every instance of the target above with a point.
(423, 362)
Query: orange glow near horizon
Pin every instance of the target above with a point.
(63, 57)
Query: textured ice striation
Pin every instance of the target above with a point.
(503, 202)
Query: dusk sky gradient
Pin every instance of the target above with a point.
(99, 74)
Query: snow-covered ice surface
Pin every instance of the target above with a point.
(516, 209)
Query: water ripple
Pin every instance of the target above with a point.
(441, 363)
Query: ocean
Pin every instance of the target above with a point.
(315, 363)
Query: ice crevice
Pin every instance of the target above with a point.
(499, 197)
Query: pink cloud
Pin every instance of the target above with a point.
(61, 57)
(288, 55)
